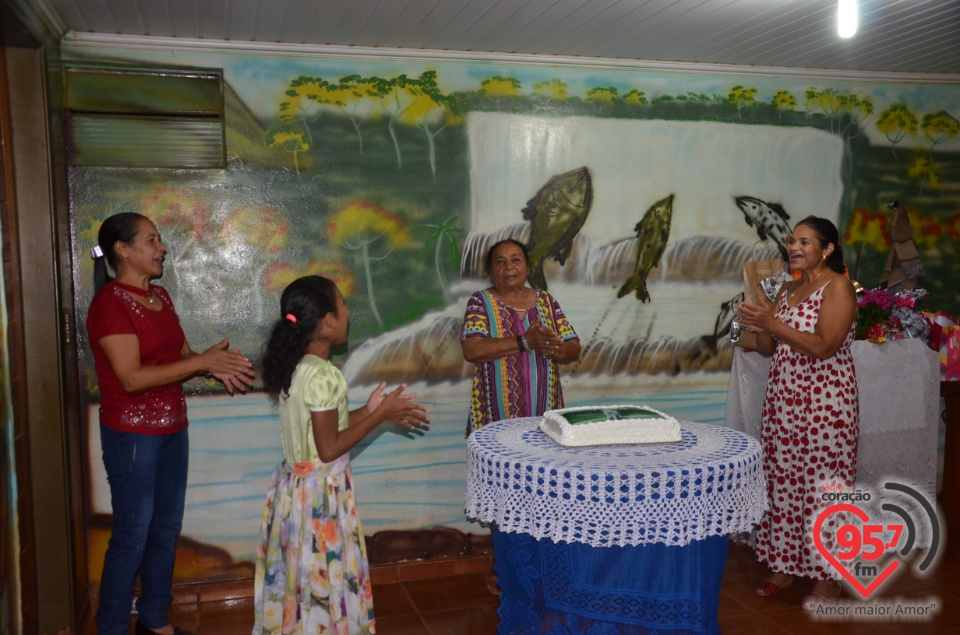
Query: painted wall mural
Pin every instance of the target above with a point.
(10, 600)
(639, 192)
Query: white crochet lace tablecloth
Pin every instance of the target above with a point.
(708, 484)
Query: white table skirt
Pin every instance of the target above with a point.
(899, 384)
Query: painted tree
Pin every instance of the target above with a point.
(178, 209)
(440, 236)
(700, 97)
(939, 127)
(430, 111)
(927, 230)
(867, 229)
(832, 103)
(289, 140)
(896, 122)
(280, 274)
(923, 169)
(360, 97)
(635, 98)
(396, 96)
(356, 226)
(253, 237)
(859, 109)
(497, 87)
(304, 100)
(553, 89)
(740, 96)
(601, 96)
(952, 226)
(784, 101)
(183, 216)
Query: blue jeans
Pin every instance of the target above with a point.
(148, 483)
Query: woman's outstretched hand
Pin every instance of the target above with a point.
(398, 407)
(229, 366)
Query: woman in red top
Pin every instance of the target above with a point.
(141, 358)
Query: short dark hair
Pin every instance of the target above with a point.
(827, 234)
(488, 262)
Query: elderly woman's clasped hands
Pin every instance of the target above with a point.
(543, 340)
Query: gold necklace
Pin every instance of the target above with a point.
(816, 277)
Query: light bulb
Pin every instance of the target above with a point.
(847, 18)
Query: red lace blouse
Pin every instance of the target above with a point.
(159, 410)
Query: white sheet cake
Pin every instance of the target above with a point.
(606, 425)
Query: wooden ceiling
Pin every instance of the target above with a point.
(895, 36)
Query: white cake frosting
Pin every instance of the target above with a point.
(605, 425)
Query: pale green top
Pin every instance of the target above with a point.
(317, 385)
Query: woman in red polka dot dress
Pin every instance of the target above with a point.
(811, 411)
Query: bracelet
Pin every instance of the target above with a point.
(522, 344)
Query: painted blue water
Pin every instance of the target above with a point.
(403, 481)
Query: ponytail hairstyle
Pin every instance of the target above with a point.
(827, 234)
(122, 227)
(303, 304)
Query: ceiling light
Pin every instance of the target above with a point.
(847, 18)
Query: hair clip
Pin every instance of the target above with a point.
(96, 252)
(291, 317)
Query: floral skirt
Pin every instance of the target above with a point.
(312, 574)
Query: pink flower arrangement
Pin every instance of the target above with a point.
(875, 315)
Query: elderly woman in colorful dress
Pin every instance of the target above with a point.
(517, 337)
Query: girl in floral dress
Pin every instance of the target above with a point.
(312, 574)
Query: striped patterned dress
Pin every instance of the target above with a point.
(519, 385)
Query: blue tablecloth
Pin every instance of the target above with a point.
(566, 588)
(620, 539)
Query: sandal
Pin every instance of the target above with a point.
(492, 587)
(768, 588)
(815, 598)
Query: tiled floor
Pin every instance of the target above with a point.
(407, 602)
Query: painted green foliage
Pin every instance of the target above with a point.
(937, 127)
(601, 97)
(404, 108)
(290, 140)
(741, 97)
(439, 236)
(501, 86)
(403, 101)
(358, 226)
(896, 122)
(784, 100)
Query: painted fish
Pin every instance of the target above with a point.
(770, 220)
(653, 230)
(556, 215)
(721, 327)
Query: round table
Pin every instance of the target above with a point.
(631, 538)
